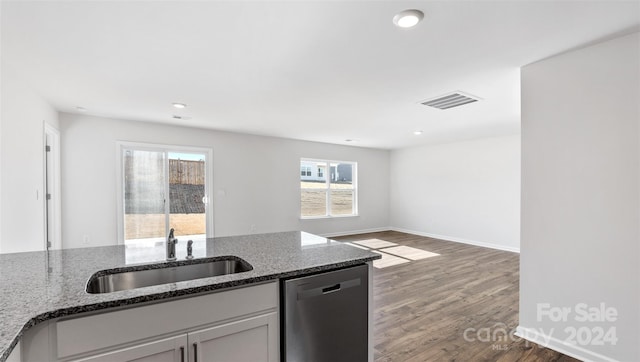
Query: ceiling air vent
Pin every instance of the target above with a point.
(450, 100)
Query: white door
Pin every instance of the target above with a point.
(253, 339)
(52, 207)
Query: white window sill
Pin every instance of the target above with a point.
(327, 217)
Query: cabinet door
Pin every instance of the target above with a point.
(253, 339)
(172, 349)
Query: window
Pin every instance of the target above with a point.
(330, 192)
(305, 171)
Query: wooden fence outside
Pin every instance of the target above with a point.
(186, 172)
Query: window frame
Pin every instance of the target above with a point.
(327, 188)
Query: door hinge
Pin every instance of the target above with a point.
(47, 148)
(48, 196)
(48, 244)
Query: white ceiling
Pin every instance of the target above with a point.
(320, 71)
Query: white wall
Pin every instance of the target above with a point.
(22, 164)
(265, 195)
(1, 86)
(581, 193)
(464, 191)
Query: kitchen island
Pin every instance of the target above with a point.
(43, 286)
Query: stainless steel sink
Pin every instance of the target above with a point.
(107, 281)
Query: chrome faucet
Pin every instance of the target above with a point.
(171, 246)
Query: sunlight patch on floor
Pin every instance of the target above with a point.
(392, 253)
(409, 252)
(374, 243)
(387, 260)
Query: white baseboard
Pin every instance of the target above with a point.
(575, 351)
(459, 240)
(354, 232)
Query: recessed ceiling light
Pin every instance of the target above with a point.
(408, 18)
(180, 105)
(417, 133)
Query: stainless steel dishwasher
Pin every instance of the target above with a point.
(326, 316)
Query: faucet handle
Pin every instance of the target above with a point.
(190, 249)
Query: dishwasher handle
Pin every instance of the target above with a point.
(327, 289)
(331, 289)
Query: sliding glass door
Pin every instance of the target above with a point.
(187, 197)
(145, 201)
(164, 188)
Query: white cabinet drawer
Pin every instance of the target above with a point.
(99, 331)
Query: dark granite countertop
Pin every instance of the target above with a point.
(38, 286)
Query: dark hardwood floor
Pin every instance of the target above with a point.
(459, 306)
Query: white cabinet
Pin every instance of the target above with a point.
(173, 349)
(234, 325)
(252, 339)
